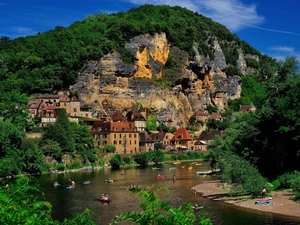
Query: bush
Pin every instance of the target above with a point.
(60, 167)
(127, 159)
(92, 157)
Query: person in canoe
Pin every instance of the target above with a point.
(104, 198)
(87, 182)
(196, 206)
(159, 176)
(56, 184)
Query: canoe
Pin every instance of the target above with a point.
(176, 162)
(172, 168)
(70, 187)
(86, 183)
(198, 164)
(104, 198)
(155, 168)
(109, 181)
(190, 167)
(161, 177)
(199, 207)
(204, 172)
(56, 184)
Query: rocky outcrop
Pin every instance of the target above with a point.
(110, 84)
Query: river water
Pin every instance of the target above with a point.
(66, 203)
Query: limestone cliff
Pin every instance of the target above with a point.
(110, 84)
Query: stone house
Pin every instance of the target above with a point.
(205, 138)
(123, 135)
(146, 144)
(201, 115)
(162, 137)
(137, 118)
(182, 139)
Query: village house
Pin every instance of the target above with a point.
(201, 115)
(164, 138)
(146, 144)
(123, 135)
(247, 108)
(182, 140)
(137, 118)
(216, 116)
(205, 138)
(47, 106)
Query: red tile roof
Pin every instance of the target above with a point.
(182, 134)
(118, 116)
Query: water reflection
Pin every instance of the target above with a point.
(66, 203)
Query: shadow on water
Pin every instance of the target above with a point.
(66, 203)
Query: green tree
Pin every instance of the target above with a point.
(151, 122)
(110, 148)
(154, 211)
(158, 145)
(157, 156)
(141, 158)
(162, 127)
(115, 161)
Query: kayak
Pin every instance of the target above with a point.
(56, 184)
(104, 198)
(70, 187)
(109, 181)
(161, 177)
(87, 182)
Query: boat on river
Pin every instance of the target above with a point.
(159, 177)
(87, 182)
(70, 187)
(172, 168)
(109, 180)
(104, 198)
(155, 168)
(176, 162)
(56, 184)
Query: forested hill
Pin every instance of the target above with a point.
(50, 61)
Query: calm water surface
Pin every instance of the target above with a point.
(66, 203)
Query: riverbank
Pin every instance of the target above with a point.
(280, 203)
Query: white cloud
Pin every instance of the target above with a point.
(281, 52)
(284, 49)
(233, 14)
(22, 31)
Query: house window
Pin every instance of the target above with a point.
(130, 142)
(65, 104)
(98, 143)
(86, 115)
(115, 136)
(120, 135)
(129, 135)
(135, 142)
(75, 110)
(134, 135)
(115, 142)
(120, 142)
(105, 135)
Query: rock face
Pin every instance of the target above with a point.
(110, 84)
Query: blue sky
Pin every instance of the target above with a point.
(270, 26)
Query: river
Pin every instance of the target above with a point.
(66, 203)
